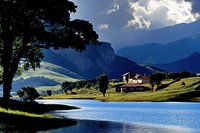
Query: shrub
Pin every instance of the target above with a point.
(28, 93)
(49, 92)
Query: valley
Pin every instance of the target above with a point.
(172, 92)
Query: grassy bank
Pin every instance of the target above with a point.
(171, 91)
(31, 117)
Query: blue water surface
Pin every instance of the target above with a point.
(147, 117)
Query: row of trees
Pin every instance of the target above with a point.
(68, 86)
(100, 83)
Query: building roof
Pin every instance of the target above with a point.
(130, 85)
(144, 77)
(126, 73)
(141, 77)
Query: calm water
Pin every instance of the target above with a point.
(137, 117)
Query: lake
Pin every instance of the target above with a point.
(137, 117)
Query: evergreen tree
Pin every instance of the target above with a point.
(103, 83)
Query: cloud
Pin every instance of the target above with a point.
(154, 14)
(115, 8)
(103, 26)
(139, 22)
(125, 21)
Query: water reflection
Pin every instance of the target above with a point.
(86, 126)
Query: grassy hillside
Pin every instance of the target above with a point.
(48, 76)
(173, 91)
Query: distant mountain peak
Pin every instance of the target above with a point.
(189, 64)
(153, 53)
(195, 54)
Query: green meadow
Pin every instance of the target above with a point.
(172, 91)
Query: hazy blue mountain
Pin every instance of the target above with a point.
(189, 64)
(161, 36)
(154, 53)
(94, 61)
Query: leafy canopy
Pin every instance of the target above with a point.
(26, 26)
(32, 24)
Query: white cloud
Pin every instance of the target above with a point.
(153, 14)
(139, 23)
(115, 8)
(103, 26)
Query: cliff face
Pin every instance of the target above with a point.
(93, 62)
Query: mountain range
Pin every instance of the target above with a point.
(154, 53)
(188, 64)
(160, 36)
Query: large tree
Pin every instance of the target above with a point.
(26, 26)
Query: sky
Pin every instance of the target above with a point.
(117, 20)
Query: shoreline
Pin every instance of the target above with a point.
(20, 122)
(108, 100)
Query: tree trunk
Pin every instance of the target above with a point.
(104, 93)
(7, 86)
(7, 71)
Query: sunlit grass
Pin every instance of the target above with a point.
(45, 88)
(172, 91)
(17, 112)
(70, 96)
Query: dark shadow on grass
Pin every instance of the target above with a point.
(163, 86)
(35, 107)
(186, 96)
(21, 123)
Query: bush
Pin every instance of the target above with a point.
(49, 92)
(28, 93)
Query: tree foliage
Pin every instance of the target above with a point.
(69, 86)
(181, 75)
(28, 93)
(26, 26)
(156, 79)
(66, 86)
(103, 83)
(49, 92)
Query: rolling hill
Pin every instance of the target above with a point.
(48, 76)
